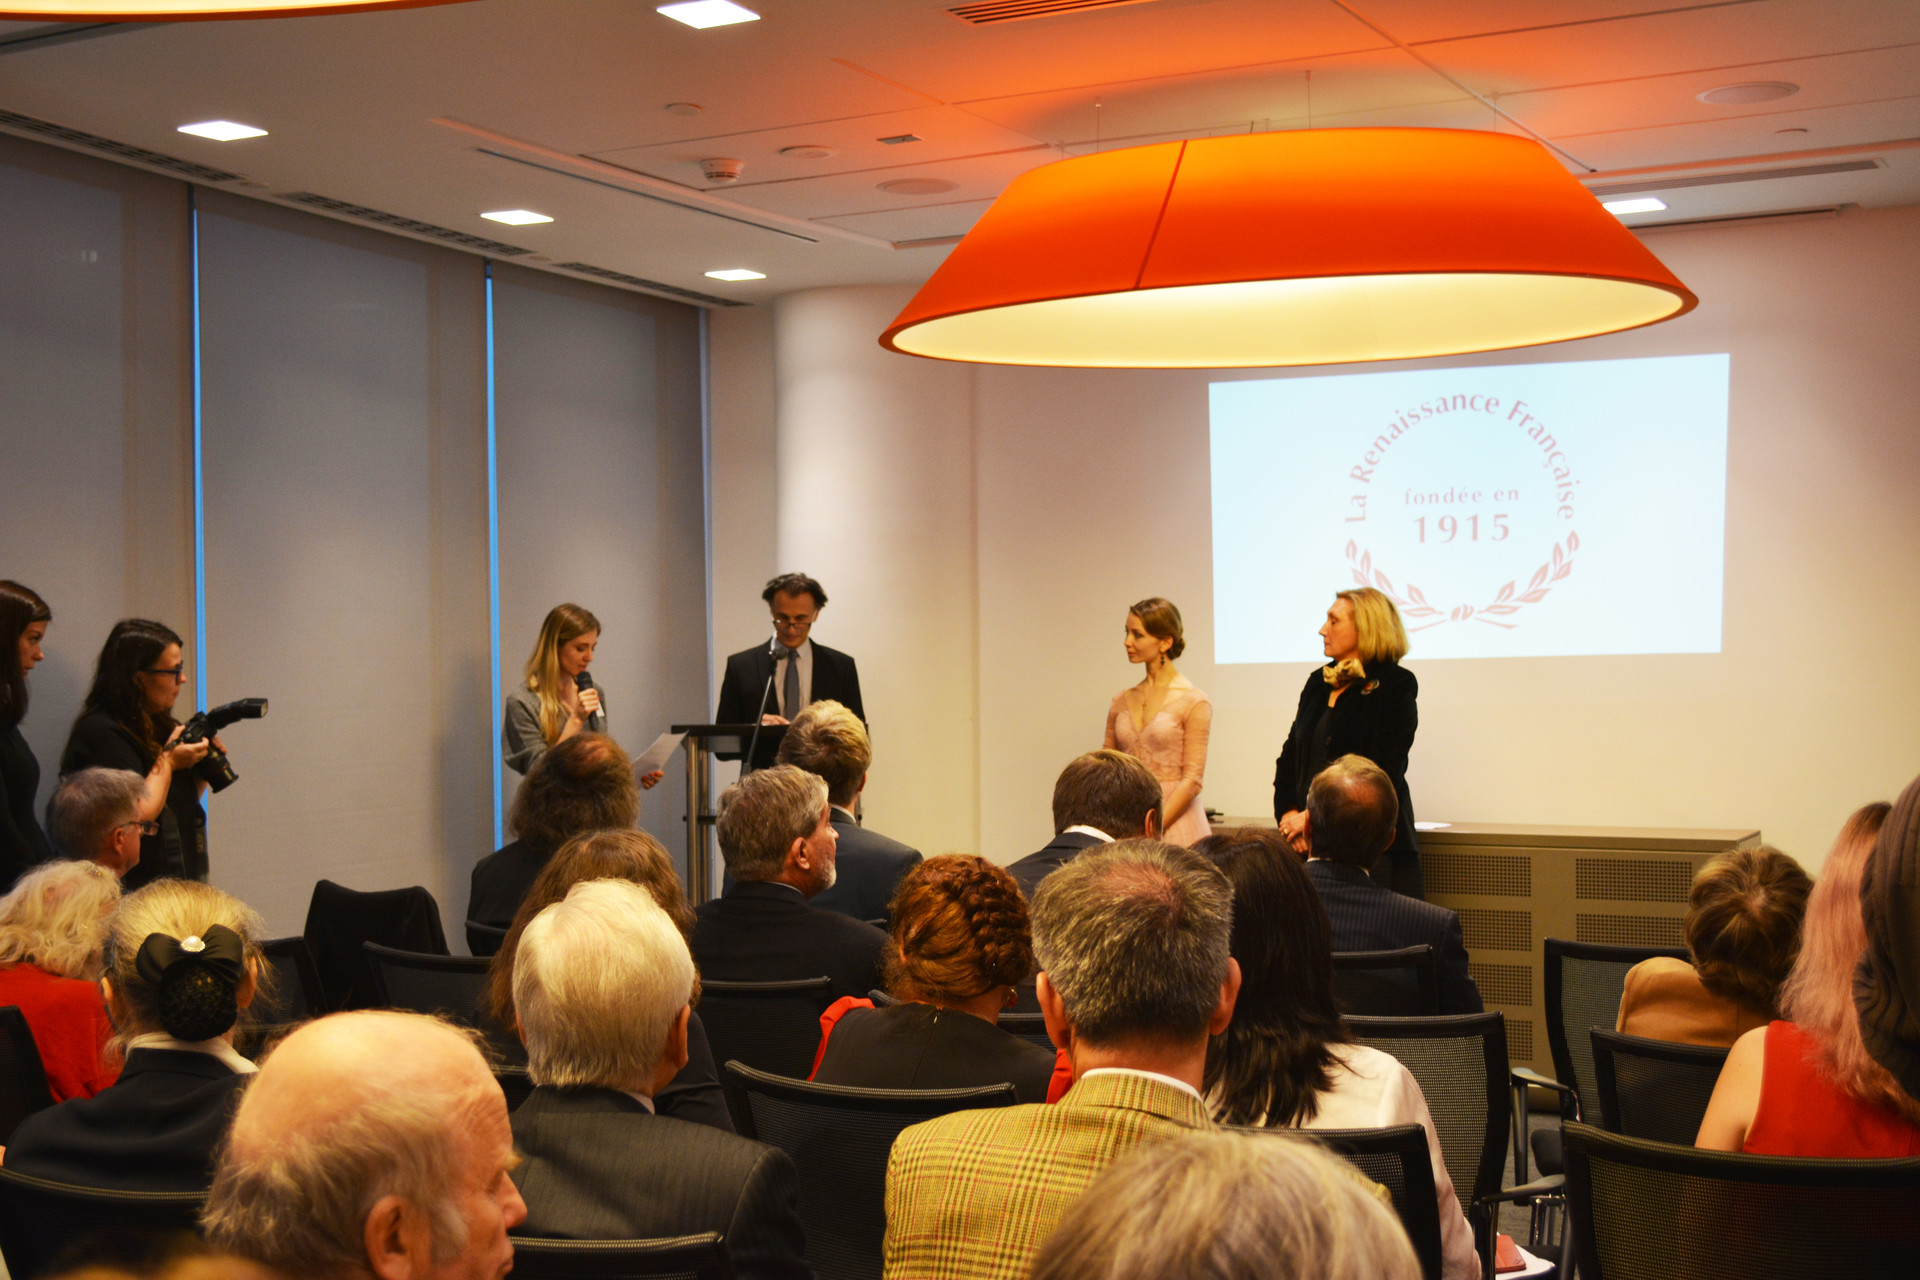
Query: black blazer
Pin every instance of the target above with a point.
(1368, 916)
(23, 845)
(766, 932)
(868, 868)
(156, 1129)
(500, 883)
(745, 683)
(180, 847)
(1035, 867)
(916, 1046)
(1376, 719)
(596, 1165)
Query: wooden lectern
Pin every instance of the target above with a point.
(704, 741)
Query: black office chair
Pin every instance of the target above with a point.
(1387, 984)
(23, 1078)
(1397, 1159)
(484, 939)
(1651, 1210)
(840, 1138)
(701, 1257)
(290, 995)
(1028, 1026)
(41, 1221)
(340, 920)
(438, 984)
(770, 1026)
(1654, 1089)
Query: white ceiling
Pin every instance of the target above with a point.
(561, 106)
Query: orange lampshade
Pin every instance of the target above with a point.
(1310, 247)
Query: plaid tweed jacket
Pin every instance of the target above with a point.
(973, 1195)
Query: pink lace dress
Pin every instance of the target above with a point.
(1173, 745)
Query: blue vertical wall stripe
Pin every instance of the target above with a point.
(493, 577)
(199, 483)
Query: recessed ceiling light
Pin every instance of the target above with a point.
(736, 273)
(809, 152)
(516, 217)
(702, 14)
(1749, 91)
(222, 130)
(1639, 204)
(898, 138)
(918, 186)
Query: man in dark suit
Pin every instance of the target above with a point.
(828, 740)
(600, 987)
(778, 841)
(1098, 798)
(802, 672)
(1351, 817)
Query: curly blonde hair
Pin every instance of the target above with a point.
(56, 918)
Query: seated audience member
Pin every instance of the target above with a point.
(182, 961)
(958, 947)
(583, 784)
(1286, 1058)
(1743, 931)
(1135, 976)
(1812, 1086)
(1098, 798)
(694, 1094)
(374, 1146)
(52, 928)
(601, 987)
(95, 816)
(829, 740)
(779, 847)
(1228, 1206)
(1352, 814)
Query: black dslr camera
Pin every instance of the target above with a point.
(215, 769)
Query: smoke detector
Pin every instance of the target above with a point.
(721, 169)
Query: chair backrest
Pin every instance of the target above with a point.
(40, 1220)
(1653, 1088)
(1583, 985)
(1460, 1063)
(1028, 1026)
(1397, 1159)
(1648, 1210)
(340, 920)
(1387, 984)
(770, 1026)
(701, 1257)
(450, 985)
(297, 993)
(23, 1078)
(484, 939)
(840, 1138)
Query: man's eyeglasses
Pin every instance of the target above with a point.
(786, 623)
(146, 828)
(178, 673)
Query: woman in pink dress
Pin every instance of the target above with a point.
(1163, 721)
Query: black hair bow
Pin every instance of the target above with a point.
(219, 949)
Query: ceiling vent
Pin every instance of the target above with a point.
(651, 286)
(118, 150)
(988, 12)
(411, 225)
(1744, 175)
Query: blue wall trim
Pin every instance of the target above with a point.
(493, 578)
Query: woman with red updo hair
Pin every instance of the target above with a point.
(959, 944)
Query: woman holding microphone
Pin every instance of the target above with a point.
(556, 698)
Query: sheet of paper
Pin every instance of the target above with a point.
(1431, 826)
(656, 756)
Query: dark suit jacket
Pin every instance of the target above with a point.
(596, 1165)
(1035, 867)
(1376, 719)
(869, 867)
(155, 1130)
(834, 676)
(500, 883)
(917, 1046)
(765, 932)
(1368, 916)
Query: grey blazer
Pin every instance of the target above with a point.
(521, 742)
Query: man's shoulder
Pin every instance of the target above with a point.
(870, 843)
(934, 1140)
(822, 653)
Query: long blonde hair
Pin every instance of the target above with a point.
(56, 918)
(565, 623)
(1818, 994)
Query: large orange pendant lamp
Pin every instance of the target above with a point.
(1311, 247)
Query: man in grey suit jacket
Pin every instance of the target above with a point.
(600, 987)
(1352, 813)
(828, 740)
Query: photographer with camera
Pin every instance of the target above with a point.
(127, 722)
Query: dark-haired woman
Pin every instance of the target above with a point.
(1164, 721)
(23, 622)
(958, 945)
(1286, 1058)
(127, 723)
(183, 962)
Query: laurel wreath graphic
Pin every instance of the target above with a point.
(1415, 607)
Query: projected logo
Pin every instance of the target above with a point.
(1516, 510)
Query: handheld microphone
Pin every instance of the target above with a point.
(583, 681)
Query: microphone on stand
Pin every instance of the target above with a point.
(773, 651)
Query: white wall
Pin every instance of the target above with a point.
(1089, 490)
